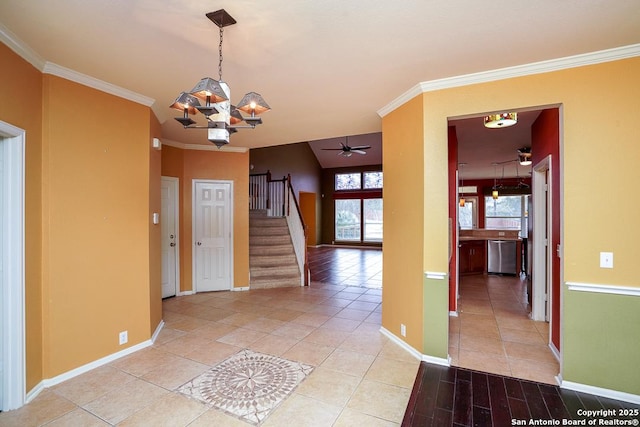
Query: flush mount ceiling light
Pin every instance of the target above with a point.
(524, 156)
(502, 120)
(222, 117)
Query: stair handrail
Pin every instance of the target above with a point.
(298, 231)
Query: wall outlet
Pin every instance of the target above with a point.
(123, 337)
(606, 259)
(403, 330)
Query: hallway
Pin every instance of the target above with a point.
(494, 334)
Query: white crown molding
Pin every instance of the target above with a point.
(604, 289)
(19, 47)
(101, 85)
(574, 61)
(199, 147)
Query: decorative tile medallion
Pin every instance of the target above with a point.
(248, 385)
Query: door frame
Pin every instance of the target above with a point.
(542, 269)
(194, 287)
(175, 182)
(13, 289)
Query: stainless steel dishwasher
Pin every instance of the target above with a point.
(501, 257)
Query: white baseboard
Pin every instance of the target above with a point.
(414, 352)
(49, 382)
(240, 289)
(184, 293)
(599, 391)
(453, 314)
(554, 351)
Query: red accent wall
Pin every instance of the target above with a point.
(545, 140)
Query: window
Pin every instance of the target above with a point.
(468, 214)
(506, 213)
(358, 207)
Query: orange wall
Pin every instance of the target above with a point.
(155, 238)
(22, 84)
(188, 165)
(96, 224)
(402, 271)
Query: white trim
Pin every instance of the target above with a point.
(101, 85)
(20, 48)
(412, 351)
(185, 293)
(435, 275)
(159, 328)
(574, 61)
(599, 391)
(603, 289)
(542, 217)
(240, 289)
(204, 147)
(13, 289)
(174, 181)
(437, 360)
(453, 314)
(554, 351)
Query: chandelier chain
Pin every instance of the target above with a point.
(220, 56)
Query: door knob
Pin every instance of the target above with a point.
(171, 236)
(172, 244)
(199, 243)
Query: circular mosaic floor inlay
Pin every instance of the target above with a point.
(248, 385)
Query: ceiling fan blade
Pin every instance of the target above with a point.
(332, 149)
(358, 151)
(361, 147)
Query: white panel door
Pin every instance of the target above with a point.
(169, 231)
(212, 225)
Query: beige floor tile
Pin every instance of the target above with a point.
(534, 371)
(337, 324)
(285, 315)
(394, 372)
(366, 343)
(493, 363)
(353, 314)
(326, 309)
(391, 350)
(380, 400)
(183, 345)
(77, 417)
(211, 331)
(521, 336)
(119, 404)
(241, 337)
(187, 324)
(273, 344)
(329, 386)
(309, 353)
(47, 406)
(173, 375)
(351, 418)
(143, 361)
(349, 362)
(93, 384)
(264, 324)
(215, 418)
(481, 344)
(170, 410)
(374, 317)
(516, 322)
(293, 330)
(540, 352)
(167, 334)
(327, 337)
(240, 319)
(212, 353)
(302, 411)
(312, 319)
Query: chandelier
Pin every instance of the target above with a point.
(503, 120)
(222, 118)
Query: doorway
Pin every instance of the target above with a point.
(212, 235)
(542, 264)
(12, 310)
(169, 194)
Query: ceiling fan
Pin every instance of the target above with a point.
(346, 150)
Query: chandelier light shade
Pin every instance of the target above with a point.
(524, 156)
(212, 98)
(502, 120)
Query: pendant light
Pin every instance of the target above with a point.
(494, 190)
(461, 201)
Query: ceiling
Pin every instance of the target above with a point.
(325, 67)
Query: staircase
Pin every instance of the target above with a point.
(272, 259)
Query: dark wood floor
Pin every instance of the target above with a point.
(450, 396)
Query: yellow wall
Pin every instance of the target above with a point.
(188, 165)
(22, 84)
(402, 271)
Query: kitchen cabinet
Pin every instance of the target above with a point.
(473, 257)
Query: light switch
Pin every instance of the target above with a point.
(606, 259)
(156, 144)
(156, 218)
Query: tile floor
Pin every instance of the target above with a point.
(494, 334)
(360, 376)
